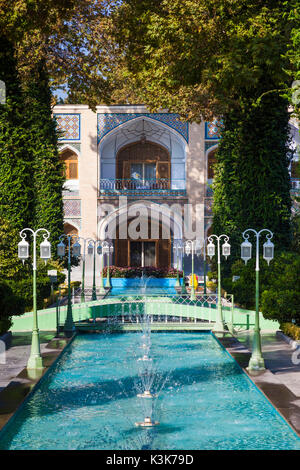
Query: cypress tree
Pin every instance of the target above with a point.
(16, 187)
(252, 185)
(31, 174)
(48, 176)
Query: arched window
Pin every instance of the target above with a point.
(144, 165)
(211, 161)
(70, 160)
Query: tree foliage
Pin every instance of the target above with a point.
(47, 168)
(75, 40)
(279, 286)
(16, 190)
(281, 299)
(30, 171)
(252, 185)
(198, 58)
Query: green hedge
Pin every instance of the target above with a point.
(291, 330)
(279, 286)
(10, 302)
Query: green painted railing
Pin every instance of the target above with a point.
(204, 308)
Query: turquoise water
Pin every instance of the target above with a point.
(88, 401)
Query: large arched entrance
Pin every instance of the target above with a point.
(153, 246)
(143, 252)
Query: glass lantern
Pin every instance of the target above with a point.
(76, 249)
(268, 251)
(211, 249)
(198, 248)
(23, 250)
(99, 250)
(226, 249)
(188, 249)
(246, 249)
(61, 249)
(177, 247)
(90, 248)
(45, 250)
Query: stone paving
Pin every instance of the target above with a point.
(279, 359)
(281, 381)
(17, 356)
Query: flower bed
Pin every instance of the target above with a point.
(150, 271)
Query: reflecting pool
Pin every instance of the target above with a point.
(203, 400)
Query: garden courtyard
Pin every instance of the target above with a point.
(149, 226)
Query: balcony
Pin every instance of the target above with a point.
(142, 187)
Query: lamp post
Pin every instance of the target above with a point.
(193, 247)
(219, 325)
(35, 360)
(107, 249)
(61, 250)
(204, 266)
(83, 269)
(92, 251)
(100, 252)
(257, 361)
(177, 249)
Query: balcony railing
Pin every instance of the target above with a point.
(138, 187)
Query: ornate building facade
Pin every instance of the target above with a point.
(122, 158)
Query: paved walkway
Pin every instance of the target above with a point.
(17, 356)
(278, 357)
(281, 381)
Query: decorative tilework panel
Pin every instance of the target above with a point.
(212, 129)
(106, 122)
(72, 207)
(69, 124)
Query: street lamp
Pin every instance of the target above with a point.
(100, 253)
(177, 249)
(89, 250)
(61, 250)
(82, 297)
(257, 361)
(193, 247)
(107, 249)
(201, 247)
(219, 325)
(35, 360)
(93, 246)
